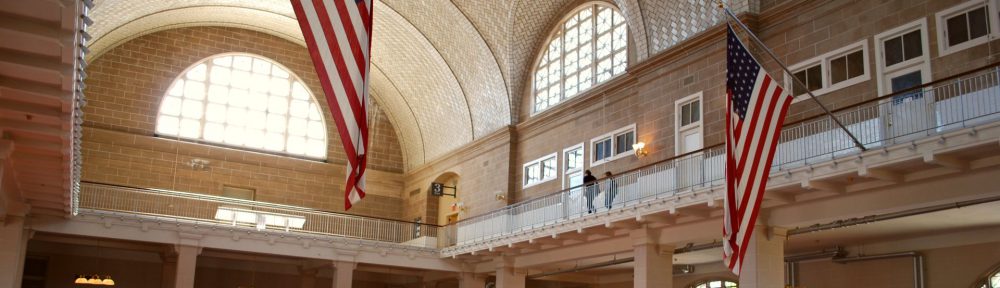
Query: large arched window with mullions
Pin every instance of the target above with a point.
(243, 101)
(992, 279)
(587, 48)
(716, 284)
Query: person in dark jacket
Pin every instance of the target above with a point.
(612, 190)
(590, 190)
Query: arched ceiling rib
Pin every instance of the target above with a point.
(466, 54)
(451, 71)
(431, 89)
(439, 83)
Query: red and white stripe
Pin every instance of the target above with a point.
(750, 147)
(338, 34)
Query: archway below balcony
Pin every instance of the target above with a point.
(446, 208)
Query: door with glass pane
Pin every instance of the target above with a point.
(573, 203)
(689, 139)
(910, 114)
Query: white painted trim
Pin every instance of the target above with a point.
(923, 60)
(614, 156)
(565, 159)
(678, 130)
(524, 176)
(824, 62)
(940, 19)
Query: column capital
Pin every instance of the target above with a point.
(181, 249)
(644, 236)
(340, 264)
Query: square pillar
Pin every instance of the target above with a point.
(507, 276)
(470, 280)
(343, 274)
(13, 246)
(654, 263)
(187, 261)
(764, 261)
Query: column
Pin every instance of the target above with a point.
(343, 273)
(507, 276)
(470, 280)
(187, 260)
(654, 263)
(13, 244)
(764, 262)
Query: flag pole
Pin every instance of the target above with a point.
(789, 72)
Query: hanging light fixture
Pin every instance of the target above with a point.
(80, 279)
(95, 280)
(107, 281)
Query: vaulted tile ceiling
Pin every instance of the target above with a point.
(445, 72)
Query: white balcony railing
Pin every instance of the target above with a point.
(961, 101)
(201, 209)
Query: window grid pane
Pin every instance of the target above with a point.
(244, 101)
(589, 48)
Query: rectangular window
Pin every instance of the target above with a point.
(902, 52)
(964, 25)
(613, 145)
(624, 141)
(690, 112)
(811, 77)
(573, 157)
(903, 47)
(540, 170)
(602, 150)
(688, 125)
(847, 67)
(830, 71)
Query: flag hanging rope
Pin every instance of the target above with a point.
(338, 35)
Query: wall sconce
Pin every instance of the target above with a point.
(640, 149)
(500, 196)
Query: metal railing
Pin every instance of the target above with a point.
(960, 101)
(204, 209)
(964, 100)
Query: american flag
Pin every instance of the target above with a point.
(338, 34)
(757, 106)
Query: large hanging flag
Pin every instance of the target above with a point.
(338, 34)
(757, 106)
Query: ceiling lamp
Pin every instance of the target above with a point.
(80, 279)
(107, 281)
(95, 280)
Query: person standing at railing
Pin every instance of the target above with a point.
(590, 190)
(612, 190)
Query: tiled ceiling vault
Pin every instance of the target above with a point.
(446, 72)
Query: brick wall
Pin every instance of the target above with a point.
(125, 86)
(796, 30)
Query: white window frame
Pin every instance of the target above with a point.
(825, 75)
(942, 26)
(524, 178)
(614, 156)
(922, 63)
(678, 129)
(566, 171)
(566, 159)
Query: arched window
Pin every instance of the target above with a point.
(243, 101)
(587, 49)
(992, 280)
(716, 284)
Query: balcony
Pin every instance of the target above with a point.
(901, 121)
(964, 101)
(171, 207)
